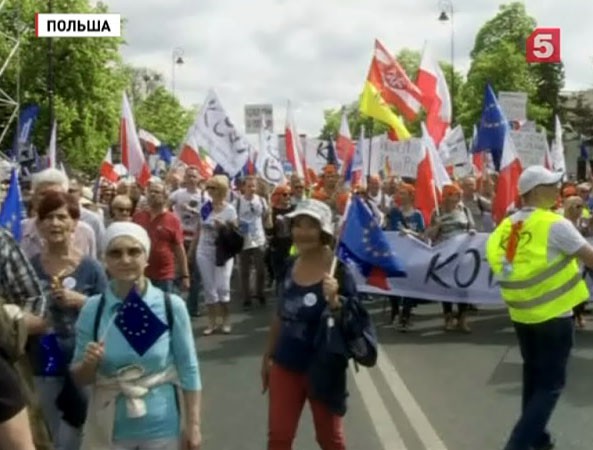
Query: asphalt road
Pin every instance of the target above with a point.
(430, 390)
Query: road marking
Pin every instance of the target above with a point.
(425, 431)
(382, 422)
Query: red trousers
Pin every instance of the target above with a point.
(287, 394)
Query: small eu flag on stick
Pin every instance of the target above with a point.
(52, 357)
(138, 323)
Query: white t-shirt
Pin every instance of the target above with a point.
(251, 213)
(564, 238)
(208, 232)
(186, 206)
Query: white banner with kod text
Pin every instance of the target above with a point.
(453, 271)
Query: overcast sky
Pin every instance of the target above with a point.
(315, 52)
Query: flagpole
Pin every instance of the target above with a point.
(340, 230)
(371, 126)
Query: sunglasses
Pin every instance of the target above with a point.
(118, 253)
(286, 194)
(211, 188)
(122, 210)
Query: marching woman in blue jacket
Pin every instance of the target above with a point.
(306, 356)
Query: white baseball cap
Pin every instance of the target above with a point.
(316, 210)
(535, 176)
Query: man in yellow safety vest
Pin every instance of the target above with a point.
(534, 255)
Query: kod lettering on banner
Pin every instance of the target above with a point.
(455, 271)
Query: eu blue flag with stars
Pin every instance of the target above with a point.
(584, 152)
(206, 210)
(12, 208)
(138, 324)
(493, 127)
(363, 242)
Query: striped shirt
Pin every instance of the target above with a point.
(18, 281)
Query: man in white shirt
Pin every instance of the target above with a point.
(186, 203)
(253, 212)
(533, 254)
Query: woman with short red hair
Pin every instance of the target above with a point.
(452, 219)
(68, 277)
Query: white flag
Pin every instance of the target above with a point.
(557, 152)
(215, 132)
(52, 150)
(268, 164)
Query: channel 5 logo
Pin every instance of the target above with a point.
(543, 46)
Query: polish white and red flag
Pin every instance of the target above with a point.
(436, 98)
(344, 144)
(440, 174)
(150, 141)
(107, 169)
(131, 150)
(508, 180)
(425, 199)
(193, 155)
(294, 148)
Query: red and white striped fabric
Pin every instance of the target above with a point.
(191, 155)
(151, 142)
(425, 199)
(435, 96)
(344, 144)
(390, 79)
(440, 173)
(107, 169)
(131, 150)
(294, 148)
(508, 179)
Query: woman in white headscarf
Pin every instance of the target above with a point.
(135, 348)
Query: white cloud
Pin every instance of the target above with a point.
(315, 52)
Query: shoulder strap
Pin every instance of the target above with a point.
(98, 317)
(466, 211)
(480, 205)
(169, 311)
(238, 205)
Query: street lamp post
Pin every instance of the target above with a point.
(176, 59)
(447, 15)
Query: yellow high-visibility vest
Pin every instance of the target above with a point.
(534, 289)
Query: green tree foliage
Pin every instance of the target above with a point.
(89, 79)
(410, 61)
(161, 114)
(498, 58)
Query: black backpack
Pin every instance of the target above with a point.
(358, 331)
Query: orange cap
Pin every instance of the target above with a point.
(330, 169)
(451, 189)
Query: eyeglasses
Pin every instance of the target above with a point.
(118, 253)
